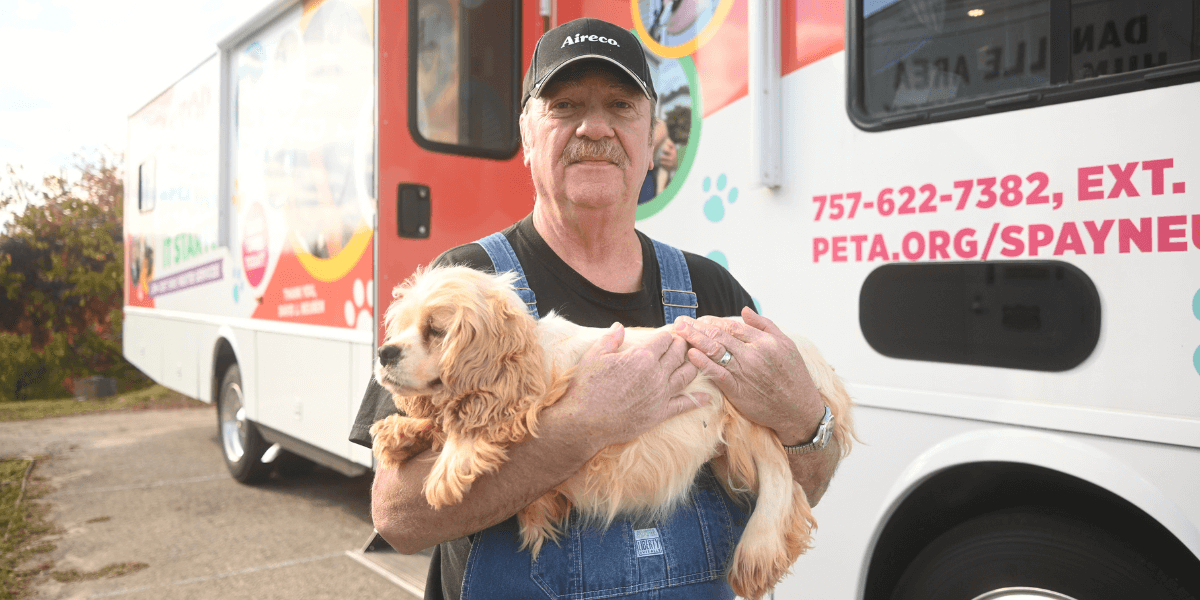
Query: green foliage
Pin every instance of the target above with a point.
(61, 277)
(155, 397)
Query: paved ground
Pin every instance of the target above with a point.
(151, 487)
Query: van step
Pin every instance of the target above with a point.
(406, 571)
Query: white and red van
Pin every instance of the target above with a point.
(986, 213)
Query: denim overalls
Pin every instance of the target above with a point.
(685, 556)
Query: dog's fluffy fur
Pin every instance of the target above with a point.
(471, 371)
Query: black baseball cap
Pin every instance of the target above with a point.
(584, 39)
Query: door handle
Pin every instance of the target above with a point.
(412, 211)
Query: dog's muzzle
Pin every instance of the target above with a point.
(389, 355)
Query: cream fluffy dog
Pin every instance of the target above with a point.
(471, 370)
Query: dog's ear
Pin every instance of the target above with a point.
(491, 361)
(418, 407)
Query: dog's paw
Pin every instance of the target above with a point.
(396, 439)
(538, 522)
(449, 479)
(445, 490)
(754, 573)
(763, 558)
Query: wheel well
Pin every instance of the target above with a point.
(963, 492)
(223, 356)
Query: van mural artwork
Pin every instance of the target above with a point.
(302, 217)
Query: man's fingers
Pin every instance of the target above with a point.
(710, 336)
(609, 342)
(745, 333)
(681, 403)
(758, 321)
(682, 375)
(708, 366)
(677, 351)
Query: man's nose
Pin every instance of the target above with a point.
(595, 124)
(389, 355)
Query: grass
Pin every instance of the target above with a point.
(22, 524)
(155, 396)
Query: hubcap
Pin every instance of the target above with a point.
(233, 423)
(1023, 593)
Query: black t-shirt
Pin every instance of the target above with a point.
(560, 288)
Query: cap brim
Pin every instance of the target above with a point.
(537, 88)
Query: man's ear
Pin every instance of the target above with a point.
(526, 151)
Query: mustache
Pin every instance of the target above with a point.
(606, 149)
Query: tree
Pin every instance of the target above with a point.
(61, 278)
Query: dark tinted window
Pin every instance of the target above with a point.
(146, 192)
(464, 75)
(1037, 315)
(1110, 38)
(916, 61)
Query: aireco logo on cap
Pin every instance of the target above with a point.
(588, 38)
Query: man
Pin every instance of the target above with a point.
(586, 130)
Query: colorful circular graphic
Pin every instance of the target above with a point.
(677, 28)
(677, 135)
(255, 250)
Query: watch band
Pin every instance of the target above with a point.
(819, 441)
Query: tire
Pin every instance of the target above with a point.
(1041, 554)
(241, 443)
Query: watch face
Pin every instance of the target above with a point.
(826, 430)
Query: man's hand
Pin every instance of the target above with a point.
(617, 394)
(766, 378)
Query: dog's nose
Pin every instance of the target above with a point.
(389, 355)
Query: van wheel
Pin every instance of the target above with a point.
(1029, 553)
(243, 446)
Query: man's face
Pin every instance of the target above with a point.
(587, 139)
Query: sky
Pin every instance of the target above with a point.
(74, 70)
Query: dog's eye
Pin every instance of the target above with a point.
(432, 331)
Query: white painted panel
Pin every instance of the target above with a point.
(179, 341)
(141, 343)
(1148, 475)
(303, 389)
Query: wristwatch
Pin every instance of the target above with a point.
(819, 441)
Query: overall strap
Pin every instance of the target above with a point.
(505, 260)
(677, 296)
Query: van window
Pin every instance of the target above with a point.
(464, 75)
(146, 193)
(918, 61)
(1035, 315)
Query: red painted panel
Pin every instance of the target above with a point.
(813, 29)
(722, 62)
(470, 197)
(616, 12)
